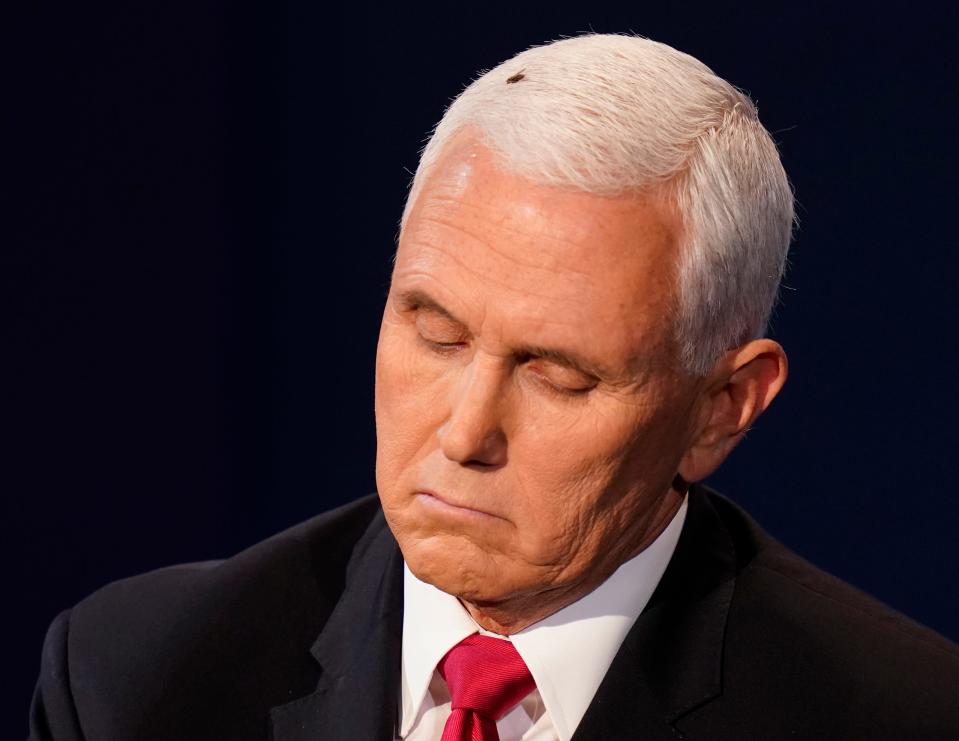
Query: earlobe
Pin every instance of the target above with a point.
(745, 381)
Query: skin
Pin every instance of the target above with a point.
(532, 413)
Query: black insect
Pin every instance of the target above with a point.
(515, 78)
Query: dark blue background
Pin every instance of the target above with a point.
(202, 209)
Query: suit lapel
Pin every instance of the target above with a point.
(358, 652)
(671, 660)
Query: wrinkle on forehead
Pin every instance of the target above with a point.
(508, 271)
(436, 211)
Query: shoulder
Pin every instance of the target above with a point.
(239, 628)
(818, 640)
(308, 559)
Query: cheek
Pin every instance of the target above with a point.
(573, 449)
(409, 404)
(560, 479)
(581, 473)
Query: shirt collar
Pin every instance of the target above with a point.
(433, 622)
(568, 653)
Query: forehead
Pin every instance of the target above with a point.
(516, 255)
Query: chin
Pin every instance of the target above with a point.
(465, 571)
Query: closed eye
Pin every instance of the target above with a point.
(561, 379)
(440, 333)
(563, 390)
(441, 348)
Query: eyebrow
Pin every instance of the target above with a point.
(417, 299)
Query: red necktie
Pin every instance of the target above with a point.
(487, 678)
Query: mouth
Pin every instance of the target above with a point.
(444, 506)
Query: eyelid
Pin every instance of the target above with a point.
(441, 348)
(564, 391)
(559, 388)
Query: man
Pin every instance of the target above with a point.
(574, 333)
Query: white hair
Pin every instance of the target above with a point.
(609, 114)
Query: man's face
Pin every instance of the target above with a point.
(530, 410)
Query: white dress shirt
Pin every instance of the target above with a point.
(568, 653)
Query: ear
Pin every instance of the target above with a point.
(742, 384)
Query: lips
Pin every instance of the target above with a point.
(445, 503)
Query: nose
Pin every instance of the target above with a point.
(473, 432)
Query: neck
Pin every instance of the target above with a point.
(512, 615)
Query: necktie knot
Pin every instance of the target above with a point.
(486, 676)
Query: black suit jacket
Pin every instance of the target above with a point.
(298, 639)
